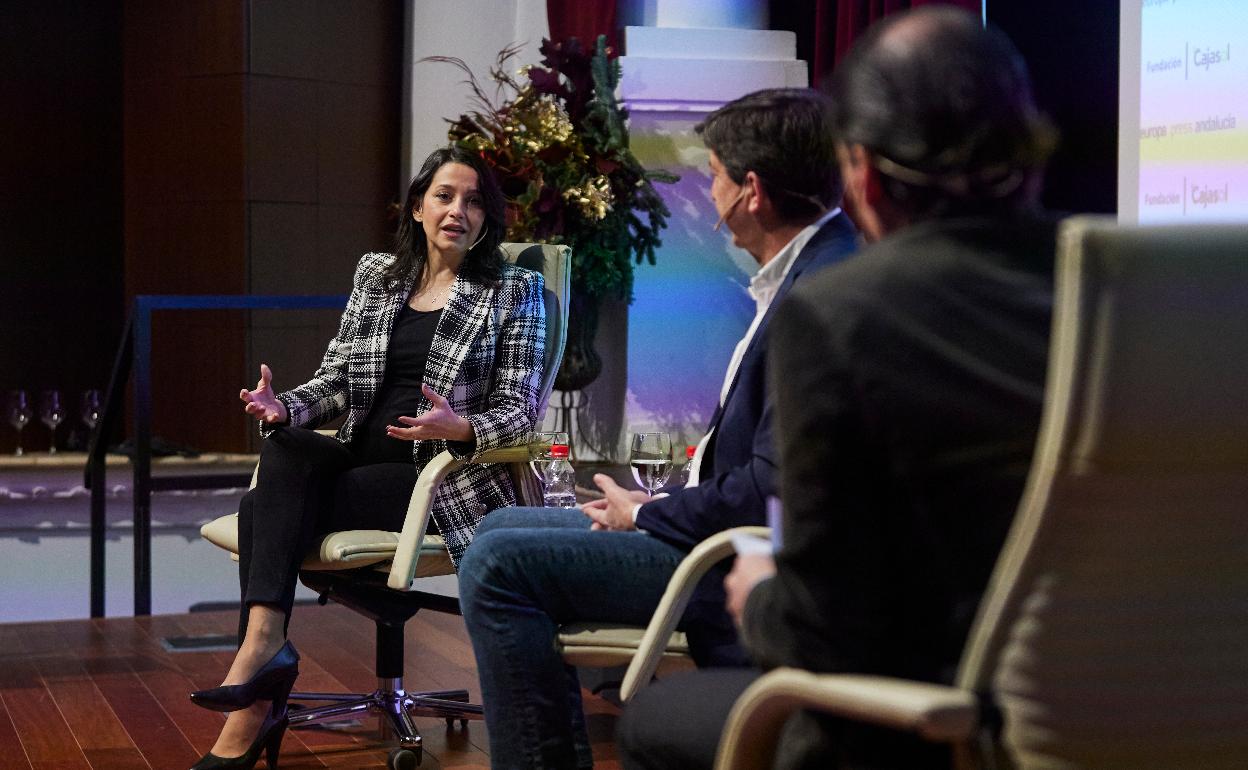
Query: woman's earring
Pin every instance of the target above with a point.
(484, 230)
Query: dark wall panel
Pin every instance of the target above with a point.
(248, 126)
(323, 145)
(281, 138)
(60, 201)
(185, 211)
(1071, 47)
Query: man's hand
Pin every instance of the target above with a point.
(262, 403)
(439, 422)
(746, 573)
(615, 510)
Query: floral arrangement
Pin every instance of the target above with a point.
(555, 136)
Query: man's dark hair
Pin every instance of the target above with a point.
(783, 135)
(944, 107)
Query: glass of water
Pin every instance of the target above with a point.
(650, 456)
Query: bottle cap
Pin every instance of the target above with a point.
(690, 451)
(559, 451)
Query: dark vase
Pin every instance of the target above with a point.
(581, 363)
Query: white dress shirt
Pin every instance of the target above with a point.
(763, 287)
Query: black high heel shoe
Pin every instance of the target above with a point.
(269, 741)
(273, 679)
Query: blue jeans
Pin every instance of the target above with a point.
(528, 571)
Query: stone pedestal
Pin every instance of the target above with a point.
(699, 69)
(736, 14)
(691, 308)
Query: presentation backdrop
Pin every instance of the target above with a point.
(1183, 147)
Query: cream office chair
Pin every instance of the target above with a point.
(1112, 633)
(385, 594)
(658, 647)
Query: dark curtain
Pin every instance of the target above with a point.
(826, 29)
(582, 19)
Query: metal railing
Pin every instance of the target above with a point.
(134, 354)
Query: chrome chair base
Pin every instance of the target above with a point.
(394, 706)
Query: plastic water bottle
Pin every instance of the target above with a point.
(688, 466)
(560, 491)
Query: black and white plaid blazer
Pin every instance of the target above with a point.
(486, 359)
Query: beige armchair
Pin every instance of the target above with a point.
(658, 646)
(1112, 632)
(387, 594)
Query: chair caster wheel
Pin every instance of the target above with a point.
(404, 759)
(450, 723)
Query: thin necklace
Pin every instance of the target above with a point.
(433, 297)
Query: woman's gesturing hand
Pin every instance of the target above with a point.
(261, 402)
(439, 422)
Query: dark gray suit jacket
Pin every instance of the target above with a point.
(908, 385)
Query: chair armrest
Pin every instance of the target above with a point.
(935, 712)
(675, 598)
(504, 454)
(419, 507)
(403, 568)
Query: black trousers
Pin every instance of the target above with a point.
(675, 724)
(309, 485)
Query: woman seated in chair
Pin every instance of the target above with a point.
(440, 347)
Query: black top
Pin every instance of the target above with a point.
(399, 394)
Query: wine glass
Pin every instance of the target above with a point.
(51, 414)
(540, 443)
(17, 409)
(90, 412)
(651, 459)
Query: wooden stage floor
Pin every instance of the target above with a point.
(107, 694)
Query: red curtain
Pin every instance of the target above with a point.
(838, 23)
(582, 19)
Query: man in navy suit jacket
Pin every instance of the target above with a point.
(528, 571)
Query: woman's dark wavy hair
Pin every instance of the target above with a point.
(484, 262)
(944, 106)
